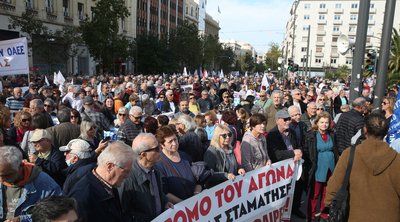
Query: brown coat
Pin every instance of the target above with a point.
(374, 182)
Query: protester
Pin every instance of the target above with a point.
(108, 109)
(22, 124)
(75, 117)
(374, 177)
(65, 131)
(96, 193)
(55, 208)
(19, 178)
(132, 126)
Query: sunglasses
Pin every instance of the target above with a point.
(155, 149)
(287, 119)
(384, 103)
(320, 109)
(25, 120)
(121, 114)
(191, 98)
(137, 117)
(47, 105)
(95, 96)
(225, 135)
(73, 117)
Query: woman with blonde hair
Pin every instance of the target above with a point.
(388, 107)
(219, 155)
(22, 123)
(89, 134)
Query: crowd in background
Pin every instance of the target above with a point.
(125, 148)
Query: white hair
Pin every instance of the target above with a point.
(187, 121)
(11, 155)
(116, 152)
(135, 109)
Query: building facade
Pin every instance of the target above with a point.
(211, 26)
(191, 12)
(327, 20)
(240, 48)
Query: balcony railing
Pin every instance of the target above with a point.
(7, 5)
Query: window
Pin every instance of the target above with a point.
(333, 61)
(306, 17)
(318, 49)
(191, 11)
(338, 5)
(335, 28)
(368, 40)
(372, 5)
(303, 49)
(303, 60)
(304, 39)
(334, 39)
(321, 17)
(321, 28)
(80, 11)
(349, 61)
(29, 4)
(354, 5)
(336, 17)
(123, 24)
(306, 27)
(353, 17)
(317, 60)
(49, 6)
(370, 17)
(307, 5)
(66, 8)
(320, 39)
(370, 30)
(322, 5)
(352, 28)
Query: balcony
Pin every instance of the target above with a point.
(352, 33)
(319, 54)
(7, 5)
(323, 10)
(353, 22)
(338, 11)
(371, 22)
(337, 22)
(372, 10)
(320, 43)
(334, 55)
(336, 33)
(321, 22)
(323, 32)
(354, 10)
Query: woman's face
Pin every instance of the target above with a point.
(170, 144)
(25, 121)
(74, 118)
(259, 128)
(385, 104)
(122, 117)
(323, 124)
(209, 122)
(91, 132)
(225, 138)
(109, 103)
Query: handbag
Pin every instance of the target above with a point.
(339, 207)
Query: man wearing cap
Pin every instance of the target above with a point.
(22, 185)
(80, 159)
(142, 194)
(49, 158)
(97, 117)
(96, 192)
(31, 94)
(282, 144)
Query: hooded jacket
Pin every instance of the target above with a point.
(374, 185)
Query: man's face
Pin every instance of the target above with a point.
(17, 93)
(152, 155)
(295, 115)
(184, 107)
(136, 117)
(8, 174)
(170, 96)
(263, 96)
(312, 110)
(204, 95)
(277, 99)
(33, 109)
(119, 173)
(283, 123)
(48, 107)
(43, 145)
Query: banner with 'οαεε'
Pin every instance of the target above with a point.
(14, 57)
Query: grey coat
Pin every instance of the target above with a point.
(254, 152)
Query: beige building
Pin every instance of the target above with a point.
(328, 19)
(240, 48)
(191, 12)
(212, 26)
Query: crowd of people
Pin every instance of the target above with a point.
(126, 148)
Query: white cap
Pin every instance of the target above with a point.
(79, 147)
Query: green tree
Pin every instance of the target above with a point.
(394, 59)
(185, 47)
(211, 49)
(101, 33)
(272, 55)
(226, 59)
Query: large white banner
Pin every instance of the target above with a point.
(14, 57)
(262, 195)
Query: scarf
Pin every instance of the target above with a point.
(27, 171)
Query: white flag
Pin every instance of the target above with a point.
(55, 79)
(99, 88)
(46, 81)
(72, 81)
(60, 78)
(221, 74)
(184, 71)
(264, 81)
(245, 74)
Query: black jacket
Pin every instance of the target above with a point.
(54, 165)
(348, 125)
(75, 172)
(95, 202)
(337, 103)
(277, 149)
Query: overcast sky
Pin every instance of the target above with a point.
(258, 22)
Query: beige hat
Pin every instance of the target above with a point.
(79, 147)
(39, 134)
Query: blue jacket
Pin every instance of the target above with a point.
(54, 165)
(38, 188)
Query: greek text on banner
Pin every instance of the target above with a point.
(14, 57)
(262, 195)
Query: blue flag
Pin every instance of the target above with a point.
(393, 137)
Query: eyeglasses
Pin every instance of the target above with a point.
(137, 117)
(25, 120)
(320, 109)
(287, 119)
(384, 103)
(225, 135)
(191, 98)
(262, 96)
(73, 117)
(121, 114)
(95, 96)
(155, 149)
(47, 105)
